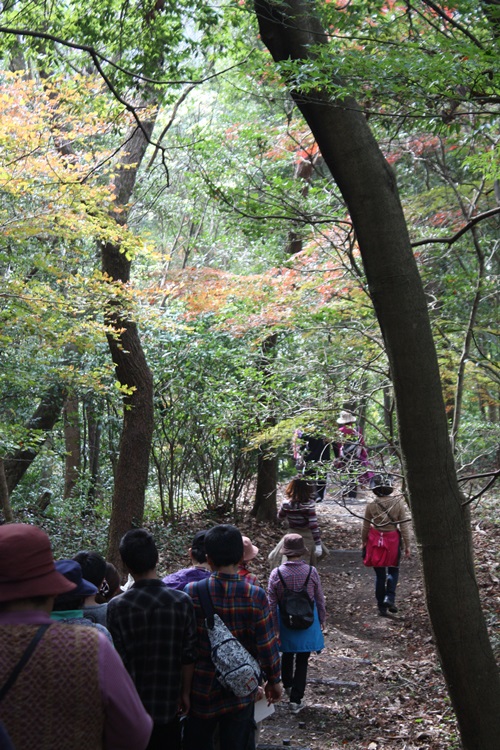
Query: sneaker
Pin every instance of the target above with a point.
(382, 611)
(288, 691)
(296, 707)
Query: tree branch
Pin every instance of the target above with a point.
(466, 228)
(494, 476)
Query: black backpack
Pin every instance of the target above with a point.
(296, 607)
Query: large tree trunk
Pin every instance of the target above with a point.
(265, 507)
(131, 369)
(441, 520)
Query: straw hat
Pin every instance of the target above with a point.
(26, 564)
(346, 417)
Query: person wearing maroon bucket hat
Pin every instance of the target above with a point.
(71, 690)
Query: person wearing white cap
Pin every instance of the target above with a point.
(352, 452)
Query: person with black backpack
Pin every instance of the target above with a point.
(297, 605)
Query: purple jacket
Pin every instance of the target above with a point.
(187, 575)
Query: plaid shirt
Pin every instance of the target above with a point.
(294, 574)
(301, 516)
(245, 610)
(154, 631)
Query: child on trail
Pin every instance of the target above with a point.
(300, 513)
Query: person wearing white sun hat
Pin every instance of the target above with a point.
(352, 453)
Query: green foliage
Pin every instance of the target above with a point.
(213, 279)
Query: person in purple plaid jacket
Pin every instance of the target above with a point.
(296, 645)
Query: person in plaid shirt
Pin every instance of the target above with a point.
(154, 631)
(245, 610)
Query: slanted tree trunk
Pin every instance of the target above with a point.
(131, 369)
(44, 419)
(441, 520)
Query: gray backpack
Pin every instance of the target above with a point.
(235, 668)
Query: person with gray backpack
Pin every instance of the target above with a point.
(236, 643)
(297, 605)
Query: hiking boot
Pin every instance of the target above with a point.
(296, 707)
(382, 611)
(390, 605)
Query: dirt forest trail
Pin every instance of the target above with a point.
(377, 684)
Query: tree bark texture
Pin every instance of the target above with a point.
(441, 522)
(131, 370)
(265, 507)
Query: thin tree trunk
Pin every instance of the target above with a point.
(4, 495)
(72, 445)
(457, 411)
(441, 520)
(265, 507)
(94, 451)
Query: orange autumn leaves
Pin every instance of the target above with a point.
(54, 159)
(280, 297)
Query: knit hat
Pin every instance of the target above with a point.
(293, 546)
(346, 417)
(26, 564)
(249, 550)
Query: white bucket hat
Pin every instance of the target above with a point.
(346, 417)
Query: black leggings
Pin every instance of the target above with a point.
(294, 676)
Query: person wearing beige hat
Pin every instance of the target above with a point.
(66, 686)
(296, 645)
